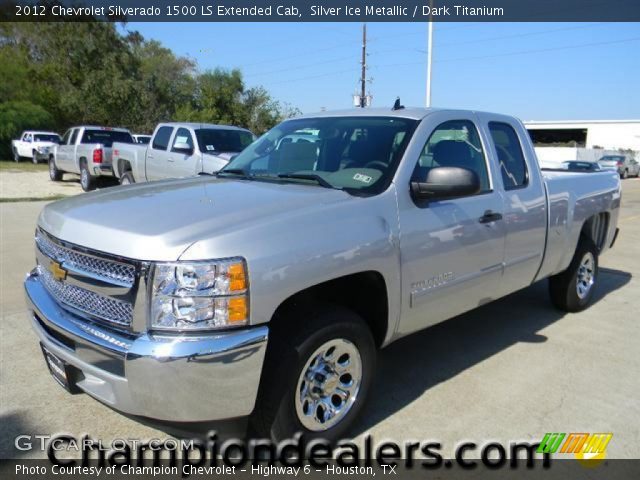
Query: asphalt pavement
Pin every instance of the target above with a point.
(509, 371)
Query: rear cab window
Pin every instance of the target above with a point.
(106, 137)
(513, 167)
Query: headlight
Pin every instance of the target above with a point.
(42, 149)
(199, 295)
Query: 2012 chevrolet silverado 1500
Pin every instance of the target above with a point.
(266, 291)
(179, 150)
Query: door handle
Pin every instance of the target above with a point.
(490, 216)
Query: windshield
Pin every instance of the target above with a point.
(45, 137)
(223, 140)
(106, 137)
(352, 153)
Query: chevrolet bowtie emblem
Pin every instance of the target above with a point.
(57, 271)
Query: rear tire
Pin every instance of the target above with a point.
(317, 373)
(572, 290)
(16, 156)
(127, 178)
(87, 182)
(54, 174)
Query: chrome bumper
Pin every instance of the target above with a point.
(172, 378)
(103, 170)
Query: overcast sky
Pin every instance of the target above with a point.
(536, 71)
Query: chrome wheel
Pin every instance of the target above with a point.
(328, 385)
(586, 275)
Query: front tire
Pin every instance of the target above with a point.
(573, 289)
(87, 182)
(54, 174)
(34, 157)
(316, 377)
(127, 178)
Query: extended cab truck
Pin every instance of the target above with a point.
(265, 291)
(34, 145)
(179, 150)
(86, 150)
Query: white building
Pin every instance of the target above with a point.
(583, 139)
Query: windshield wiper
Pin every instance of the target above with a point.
(308, 176)
(235, 171)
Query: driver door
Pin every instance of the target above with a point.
(451, 249)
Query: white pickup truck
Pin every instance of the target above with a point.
(179, 150)
(34, 145)
(86, 150)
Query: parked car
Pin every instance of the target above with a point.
(180, 150)
(581, 166)
(623, 164)
(86, 150)
(266, 290)
(34, 145)
(141, 139)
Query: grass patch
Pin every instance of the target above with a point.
(33, 199)
(23, 166)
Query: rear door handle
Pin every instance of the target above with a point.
(490, 216)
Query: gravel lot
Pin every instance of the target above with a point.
(509, 371)
(15, 183)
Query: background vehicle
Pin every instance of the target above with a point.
(34, 145)
(267, 290)
(86, 150)
(141, 139)
(623, 164)
(179, 150)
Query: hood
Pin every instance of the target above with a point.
(160, 220)
(223, 155)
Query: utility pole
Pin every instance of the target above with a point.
(429, 55)
(361, 99)
(363, 75)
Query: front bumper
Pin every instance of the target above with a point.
(172, 378)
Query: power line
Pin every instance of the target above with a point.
(522, 52)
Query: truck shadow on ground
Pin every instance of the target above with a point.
(413, 365)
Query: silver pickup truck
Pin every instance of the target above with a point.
(86, 150)
(265, 291)
(179, 150)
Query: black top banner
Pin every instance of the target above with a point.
(322, 10)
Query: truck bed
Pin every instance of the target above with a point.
(573, 197)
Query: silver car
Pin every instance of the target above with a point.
(623, 164)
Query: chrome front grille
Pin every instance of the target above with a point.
(86, 301)
(101, 287)
(111, 271)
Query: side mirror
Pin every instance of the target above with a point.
(182, 147)
(446, 182)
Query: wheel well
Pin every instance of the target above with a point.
(596, 228)
(123, 166)
(365, 293)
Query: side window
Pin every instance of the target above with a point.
(65, 138)
(24, 137)
(28, 138)
(513, 167)
(455, 143)
(161, 140)
(182, 136)
(74, 136)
